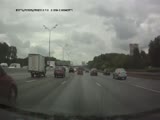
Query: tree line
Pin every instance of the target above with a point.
(139, 59)
(8, 54)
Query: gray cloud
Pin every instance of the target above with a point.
(38, 50)
(134, 23)
(87, 44)
(104, 12)
(124, 28)
(91, 29)
(84, 38)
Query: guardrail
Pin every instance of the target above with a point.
(19, 70)
(147, 75)
(14, 70)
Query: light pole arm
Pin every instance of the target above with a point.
(50, 30)
(49, 45)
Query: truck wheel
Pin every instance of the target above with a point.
(32, 75)
(38, 75)
(44, 74)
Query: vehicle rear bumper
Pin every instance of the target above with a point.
(35, 72)
(59, 74)
(122, 77)
(94, 74)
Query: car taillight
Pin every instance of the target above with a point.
(59, 71)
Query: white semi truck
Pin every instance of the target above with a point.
(36, 65)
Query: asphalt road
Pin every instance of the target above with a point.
(86, 95)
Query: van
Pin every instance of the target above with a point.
(15, 65)
(4, 65)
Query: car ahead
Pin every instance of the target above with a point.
(59, 72)
(71, 70)
(106, 72)
(79, 71)
(75, 69)
(87, 71)
(4, 65)
(94, 72)
(120, 73)
(8, 89)
(14, 65)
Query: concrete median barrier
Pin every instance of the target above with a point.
(15, 70)
(146, 75)
(20, 70)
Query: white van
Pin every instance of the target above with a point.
(15, 65)
(4, 65)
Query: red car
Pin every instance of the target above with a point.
(59, 71)
(8, 89)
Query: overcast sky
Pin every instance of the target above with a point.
(93, 27)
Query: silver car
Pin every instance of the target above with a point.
(120, 73)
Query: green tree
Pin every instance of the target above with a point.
(4, 52)
(12, 52)
(136, 58)
(144, 59)
(154, 52)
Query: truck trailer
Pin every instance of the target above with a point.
(36, 65)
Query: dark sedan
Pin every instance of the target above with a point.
(106, 72)
(71, 70)
(94, 72)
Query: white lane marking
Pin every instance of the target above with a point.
(30, 80)
(146, 88)
(99, 84)
(63, 82)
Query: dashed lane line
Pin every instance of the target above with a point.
(30, 80)
(63, 82)
(156, 91)
(98, 84)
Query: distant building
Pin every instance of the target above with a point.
(132, 47)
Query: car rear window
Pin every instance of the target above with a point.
(58, 68)
(121, 70)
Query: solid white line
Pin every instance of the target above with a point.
(63, 82)
(30, 80)
(99, 84)
(146, 88)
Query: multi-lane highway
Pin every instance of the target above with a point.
(86, 95)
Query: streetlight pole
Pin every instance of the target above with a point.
(63, 53)
(63, 48)
(50, 30)
(49, 43)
